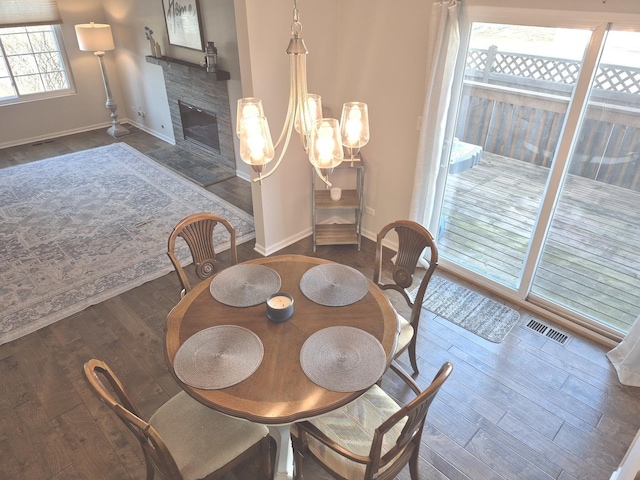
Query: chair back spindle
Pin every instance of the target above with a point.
(197, 231)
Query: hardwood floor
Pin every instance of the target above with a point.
(526, 408)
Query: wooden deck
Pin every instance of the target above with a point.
(591, 263)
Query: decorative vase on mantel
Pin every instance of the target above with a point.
(153, 45)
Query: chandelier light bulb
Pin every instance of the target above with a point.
(354, 126)
(256, 147)
(312, 112)
(248, 107)
(326, 148)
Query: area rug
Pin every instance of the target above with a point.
(80, 228)
(486, 318)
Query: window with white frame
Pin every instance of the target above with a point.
(33, 64)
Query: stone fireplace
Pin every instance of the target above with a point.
(204, 126)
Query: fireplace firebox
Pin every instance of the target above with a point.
(199, 126)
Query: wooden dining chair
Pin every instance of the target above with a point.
(413, 239)
(183, 439)
(370, 438)
(197, 232)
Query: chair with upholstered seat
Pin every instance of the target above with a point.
(413, 239)
(370, 438)
(183, 439)
(197, 232)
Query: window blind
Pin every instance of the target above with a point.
(23, 13)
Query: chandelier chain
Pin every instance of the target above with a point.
(296, 26)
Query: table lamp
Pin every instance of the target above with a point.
(97, 38)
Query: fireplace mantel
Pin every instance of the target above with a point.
(220, 75)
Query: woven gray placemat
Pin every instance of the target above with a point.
(245, 285)
(218, 357)
(334, 285)
(343, 359)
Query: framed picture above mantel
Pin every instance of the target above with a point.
(184, 26)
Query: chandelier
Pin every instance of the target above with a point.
(325, 140)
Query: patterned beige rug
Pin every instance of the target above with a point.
(486, 318)
(80, 228)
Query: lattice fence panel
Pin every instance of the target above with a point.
(618, 79)
(538, 68)
(613, 78)
(477, 59)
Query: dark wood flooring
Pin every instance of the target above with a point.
(527, 408)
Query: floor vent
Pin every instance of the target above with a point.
(548, 332)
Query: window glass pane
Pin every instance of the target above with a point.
(23, 65)
(6, 88)
(29, 84)
(591, 258)
(16, 44)
(518, 82)
(48, 62)
(54, 81)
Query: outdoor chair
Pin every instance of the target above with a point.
(197, 232)
(370, 438)
(183, 439)
(413, 239)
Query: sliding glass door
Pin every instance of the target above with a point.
(590, 261)
(543, 179)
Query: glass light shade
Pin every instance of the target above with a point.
(326, 147)
(354, 125)
(248, 107)
(312, 112)
(256, 146)
(94, 37)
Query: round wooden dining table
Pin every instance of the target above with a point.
(278, 393)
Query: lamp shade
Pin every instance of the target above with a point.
(94, 37)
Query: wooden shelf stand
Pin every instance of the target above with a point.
(351, 199)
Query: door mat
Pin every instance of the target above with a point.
(486, 318)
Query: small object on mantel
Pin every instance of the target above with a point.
(153, 45)
(211, 57)
(219, 75)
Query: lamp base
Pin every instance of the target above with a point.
(117, 131)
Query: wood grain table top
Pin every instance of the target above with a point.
(278, 392)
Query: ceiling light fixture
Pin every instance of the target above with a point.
(325, 140)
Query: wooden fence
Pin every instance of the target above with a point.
(514, 105)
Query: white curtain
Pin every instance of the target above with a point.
(626, 357)
(444, 42)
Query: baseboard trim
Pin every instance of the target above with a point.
(105, 125)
